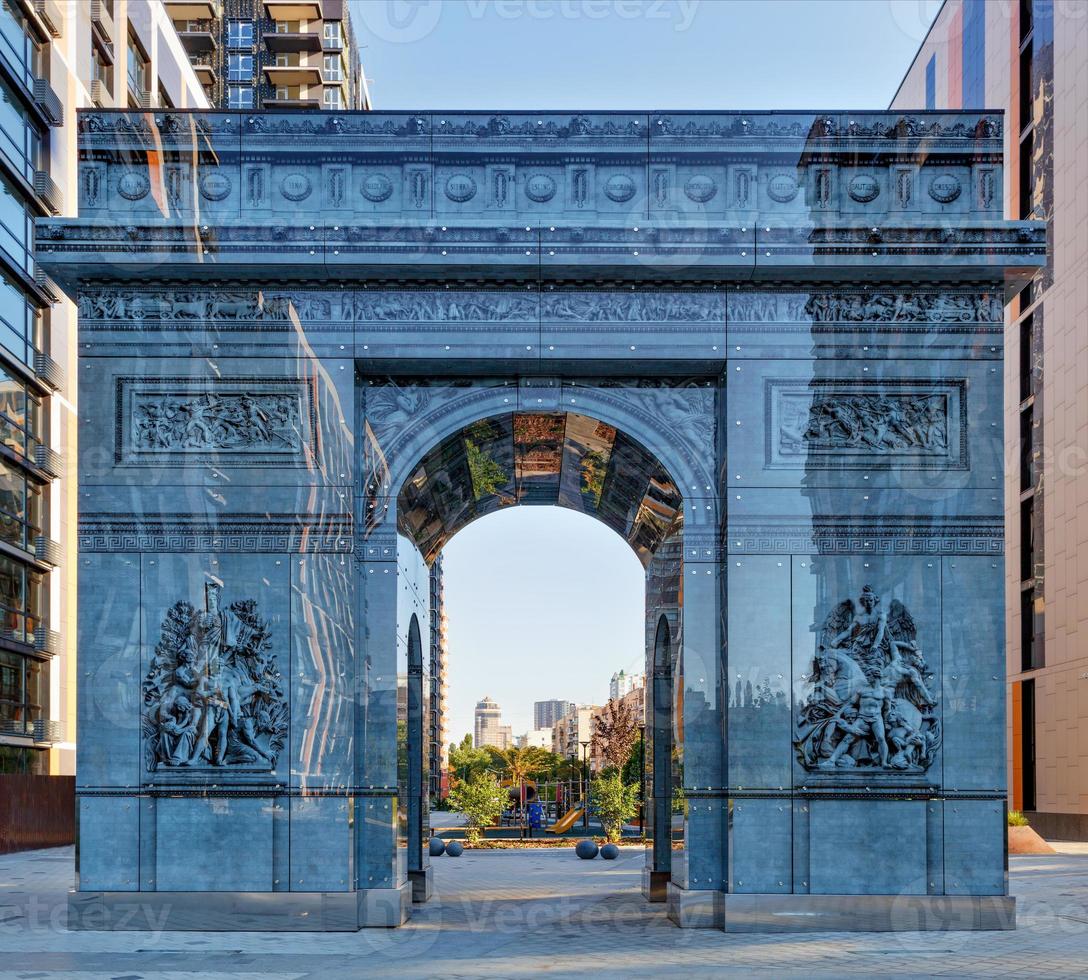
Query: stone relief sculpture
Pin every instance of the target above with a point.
(904, 307)
(870, 423)
(633, 307)
(216, 421)
(213, 695)
(446, 306)
(871, 704)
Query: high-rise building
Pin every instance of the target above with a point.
(547, 713)
(623, 683)
(55, 57)
(439, 721)
(575, 727)
(273, 54)
(1031, 59)
(489, 729)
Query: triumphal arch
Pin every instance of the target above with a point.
(766, 349)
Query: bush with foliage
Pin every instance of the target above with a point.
(1017, 819)
(481, 799)
(616, 803)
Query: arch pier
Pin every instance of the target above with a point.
(766, 348)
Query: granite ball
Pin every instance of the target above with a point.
(437, 847)
(586, 850)
(454, 849)
(610, 852)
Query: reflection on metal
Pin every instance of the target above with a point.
(539, 458)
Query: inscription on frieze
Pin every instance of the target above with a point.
(870, 705)
(213, 696)
(257, 420)
(837, 424)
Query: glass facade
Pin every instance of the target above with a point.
(24, 407)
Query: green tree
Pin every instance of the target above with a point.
(466, 760)
(517, 764)
(481, 799)
(616, 803)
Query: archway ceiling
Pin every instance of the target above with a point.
(562, 459)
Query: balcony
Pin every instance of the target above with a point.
(293, 9)
(48, 370)
(50, 15)
(102, 21)
(48, 460)
(292, 42)
(200, 41)
(291, 75)
(47, 641)
(101, 95)
(192, 9)
(47, 731)
(48, 102)
(205, 73)
(47, 550)
(48, 191)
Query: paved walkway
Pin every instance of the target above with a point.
(524, 913)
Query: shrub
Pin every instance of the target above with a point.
(1017, 819)
(481, 799)
(616, 803)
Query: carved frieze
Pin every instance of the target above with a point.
(620, 188)
(133, 185)
(836, 424)
(945, 188)
(460, 188)
(633, 307)
(447, 306)
(871, 701)
(213, 695)
(905, 307)
(863, 188)
(782, 188)
(254, 421)
(214, 186)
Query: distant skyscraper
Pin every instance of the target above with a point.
(547, 713)
(489, 729)
(623, 684)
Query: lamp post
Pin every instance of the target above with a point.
(585, 787)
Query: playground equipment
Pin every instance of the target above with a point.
(568, 820)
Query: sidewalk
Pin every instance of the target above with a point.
(523, 913)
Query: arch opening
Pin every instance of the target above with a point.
(547, 458)
(661, 778)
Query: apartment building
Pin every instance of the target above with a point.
(1031, 59)
(574, 728)
(55, 56)
(273, 54)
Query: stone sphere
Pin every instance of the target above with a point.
(610, 852)
(586, 850)
(454, 849)
(437, 847)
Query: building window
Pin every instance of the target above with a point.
(21, 323)
(334, 35)
(20, 692)
(138, 69)
(22, 420)
(240, 68)
(20, 507)
(334, 68)
(331, 98)
(288, 27)
(20, 139)
(19, 48)
(16, 227)
(22, 600)
(240, 97)
(240, 34)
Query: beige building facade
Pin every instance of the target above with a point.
(1031, 59)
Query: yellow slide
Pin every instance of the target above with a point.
(565, 822)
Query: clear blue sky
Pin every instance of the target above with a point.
(542, 602)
